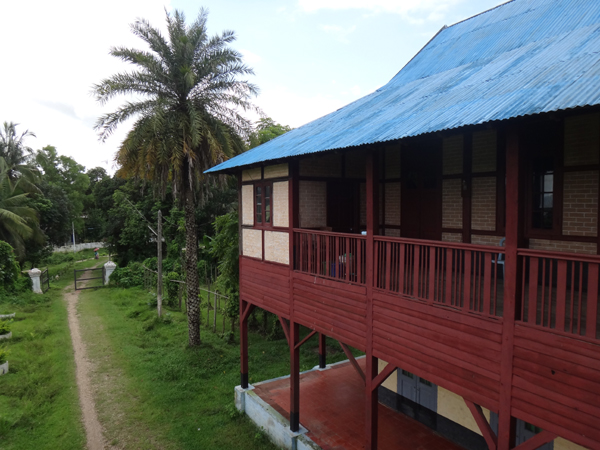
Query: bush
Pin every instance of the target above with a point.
(172, 288)
(9, 268)
(5, 326)
(130, 276)
(3, 355)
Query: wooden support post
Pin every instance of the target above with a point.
(294, 377)
(371, 400)
(322, 351)
(507, 423)
(245, 309)
(486, 430)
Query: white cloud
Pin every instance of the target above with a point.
(408, 9)
(250, 58)
(340, 33)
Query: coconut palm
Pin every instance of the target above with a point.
(18, 157)
(186, 96)
(18, 222)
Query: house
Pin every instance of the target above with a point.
(447, 226)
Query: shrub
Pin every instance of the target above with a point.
(3, 355)
(9, 268)
(172, 288)
(5, 326)
(130, 276)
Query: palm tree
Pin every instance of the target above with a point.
(18, 222)
(187, 104)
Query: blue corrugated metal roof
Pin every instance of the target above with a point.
(524, 57)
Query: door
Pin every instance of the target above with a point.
(421, 203)
(343, 207)
(417, 389)
(523, 432)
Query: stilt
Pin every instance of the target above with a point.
(322, 351)
(245, 310)
(294, 377)
(372, 402)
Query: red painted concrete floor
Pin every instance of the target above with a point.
(331, 408)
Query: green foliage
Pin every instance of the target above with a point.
(129, 276)
(224, 247)
(9, 268)
(5, 326)
(172, 288)
(3, 355)
(267, 129)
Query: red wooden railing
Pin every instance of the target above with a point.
(462, 276)
(331, 255)
(560, 291)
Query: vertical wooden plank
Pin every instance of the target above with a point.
(388, 265)
(322, 351)
(432, 261)
(487, 283)
(543, 297)
(359, 265)
(448, 274)
(348, 260)
(401, 268)
(561, 294)
(514, 217)
(468, 255)
(533, 290)
(592, 301)
(580, 304)
(552, 263)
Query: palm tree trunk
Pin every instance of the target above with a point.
(191, 263)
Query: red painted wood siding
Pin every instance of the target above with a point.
(556, 384)
(456, 351)
(333, 308)
(266, 285)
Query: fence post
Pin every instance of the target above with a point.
(159, 281)
(109, 268)
(35, 279)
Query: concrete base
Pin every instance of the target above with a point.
(271, 422)
(4, 368)
(6, 336)
(7, 316)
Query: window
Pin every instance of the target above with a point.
(263, 212)
(542, 208)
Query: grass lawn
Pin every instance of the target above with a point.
(155, 392)
(39, 405)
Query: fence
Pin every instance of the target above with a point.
(99, 270)
(150, 282)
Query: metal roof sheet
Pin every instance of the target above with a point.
(521, 58)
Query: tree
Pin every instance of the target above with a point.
(267, 129)
(187, 109)
(18, 157)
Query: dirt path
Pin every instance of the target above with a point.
(93, 429)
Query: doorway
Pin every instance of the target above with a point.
(421, 203)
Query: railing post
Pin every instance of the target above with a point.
(507, 423)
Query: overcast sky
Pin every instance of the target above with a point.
(310, 57)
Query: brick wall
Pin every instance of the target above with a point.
(580, 203)
(392, 162)
(280, 204)
(252, 243)
(251, 174)
(248, 204)
(451, 204)
(363, 204)
(276, 171)
(587, 248)
(582, 139)
(479, 239)
(451, 237)
(329, 165)
(355, 165)
(392, 203)
(483, 204)
(452, 155)
(484, 151)
(277, 247)
(313, 204)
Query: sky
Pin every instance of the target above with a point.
(310, 57)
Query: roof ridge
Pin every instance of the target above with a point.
(483, 12)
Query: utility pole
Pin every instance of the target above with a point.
(73, 225)
(159, 286)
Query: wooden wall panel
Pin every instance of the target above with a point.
(266, 285)
(556, 384)
(335, 309)
(456, 351)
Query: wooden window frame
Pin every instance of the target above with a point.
(263, 185)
